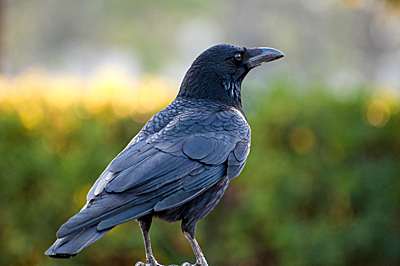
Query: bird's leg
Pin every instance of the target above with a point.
(145, 223)
(200, 259)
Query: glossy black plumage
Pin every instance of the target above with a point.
(179, 165)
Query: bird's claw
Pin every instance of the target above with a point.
(197, 264)
(139, 263)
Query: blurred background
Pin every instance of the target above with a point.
(78, 79)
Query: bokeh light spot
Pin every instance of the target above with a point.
(302, 139)
(378, 114)
(63, 93)
(31, 115)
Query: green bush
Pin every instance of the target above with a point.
(321, 185)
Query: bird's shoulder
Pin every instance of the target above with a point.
(185, 117)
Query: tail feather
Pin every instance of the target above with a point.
(106, 206)
(68, 246)
(93, 222)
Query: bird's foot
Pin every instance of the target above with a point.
(139, 263)
(197, 264)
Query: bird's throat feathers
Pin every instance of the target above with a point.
(205, 84)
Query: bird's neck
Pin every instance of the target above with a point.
(209, 86)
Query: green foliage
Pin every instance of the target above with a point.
(321, 187)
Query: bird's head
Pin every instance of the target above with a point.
(218, 72)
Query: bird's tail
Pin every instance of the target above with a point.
(68, 246)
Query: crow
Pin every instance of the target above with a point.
(179, 165)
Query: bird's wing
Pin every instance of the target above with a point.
(166, 169)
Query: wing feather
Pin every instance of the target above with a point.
(177, 199)
(162, 169)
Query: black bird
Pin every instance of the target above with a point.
(178, 166)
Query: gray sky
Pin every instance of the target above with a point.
(324, 41)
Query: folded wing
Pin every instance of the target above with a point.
(165, 169)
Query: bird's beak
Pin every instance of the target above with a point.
(254, 57)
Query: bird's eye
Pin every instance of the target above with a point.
(238, 56)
